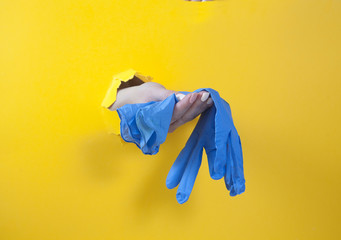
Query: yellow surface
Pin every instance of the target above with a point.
(276, 62)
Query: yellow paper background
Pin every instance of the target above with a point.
(276, 62)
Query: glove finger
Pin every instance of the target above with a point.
(221, 133)
(208, 126)
(192, 147)
(237, 159)
(220, 159)
(176, 172)
(211, 156)
(189, 176)
(228, 174)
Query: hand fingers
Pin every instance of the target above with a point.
(189, 110)
(183, 105)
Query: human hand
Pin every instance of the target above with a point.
(187, 109)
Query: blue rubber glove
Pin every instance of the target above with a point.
(186, 166)
(147, 124)
(216, 133)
